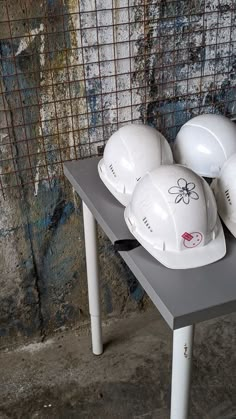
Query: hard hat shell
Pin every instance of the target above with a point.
(204, 143)
(224, 189)
(173, 214)
(129, 154)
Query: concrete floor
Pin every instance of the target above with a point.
(60, 378)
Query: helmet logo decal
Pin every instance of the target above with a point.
(192, 239)
(187, 236)
(184, 191)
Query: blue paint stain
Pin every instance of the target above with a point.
(94, 86)
(138, 293)
(43, 223)
(3, 332)
(177, 24)
(46, 222)
(52, 3)
(11, 66)
(8, 66)
(14, 79)
(92, 99)
(135, 289)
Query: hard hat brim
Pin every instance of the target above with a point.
(189, 258)
(194, 258)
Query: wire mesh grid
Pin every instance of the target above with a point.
(72, 72)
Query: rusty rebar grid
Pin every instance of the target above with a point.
(71, 74)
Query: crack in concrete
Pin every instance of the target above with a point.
(26, 212)
(36, 283)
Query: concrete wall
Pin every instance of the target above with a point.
(42, 264)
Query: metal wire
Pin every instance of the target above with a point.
(73, 72)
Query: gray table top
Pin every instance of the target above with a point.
(183, 297)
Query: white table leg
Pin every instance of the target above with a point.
(181, 371)
(90, 235)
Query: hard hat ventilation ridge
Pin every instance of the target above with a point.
(227, 194)
(146, 223)
(112, 170)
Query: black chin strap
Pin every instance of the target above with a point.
(125, 245)
(208, 179)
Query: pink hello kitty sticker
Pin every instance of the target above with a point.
(192, 240)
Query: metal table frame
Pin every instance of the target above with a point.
(182, 336)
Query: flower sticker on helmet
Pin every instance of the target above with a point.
(184, 191)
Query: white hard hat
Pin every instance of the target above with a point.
(129, 154)
(204, 143)
(173, 215)
(225, 193)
